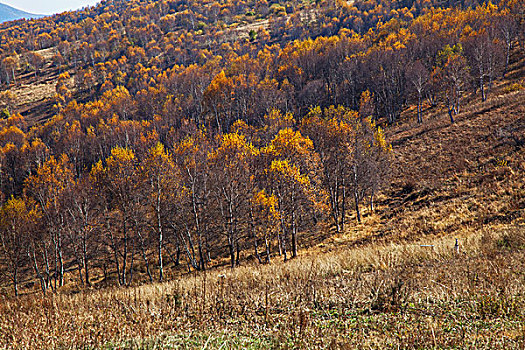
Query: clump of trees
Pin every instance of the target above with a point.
(196, 197)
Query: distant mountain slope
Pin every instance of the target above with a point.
(8, 13)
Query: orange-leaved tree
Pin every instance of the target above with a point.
(119, 184)
(231, 164)
(289, 169)
(18, 216)
(47, 187)
(191, 214)
(161, 179)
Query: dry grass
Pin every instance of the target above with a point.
(451, 177)
(47, 54)
(32, 93)
(380, 296)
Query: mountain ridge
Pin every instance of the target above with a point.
(9, 13)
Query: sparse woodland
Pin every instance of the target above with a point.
(189, 135)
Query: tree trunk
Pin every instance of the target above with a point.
(419, 118)
(161, 262)
(145, 257)
(372, 201)
(334, 203)
(294, 234)
(131, 263)
(61, 261)
(267, 246)
(125, 253)
(79, 269)
(48, 269)
(232, 251)
(202, 256)
(343, 206)
(115, 255)
(39, 275)
(357, 210)
(56, 272)
(238, 257)
(450, 110)
(508, 47)
(15, 280)
(254, 237)
(189, 248)
(85, 260)
(482, 88)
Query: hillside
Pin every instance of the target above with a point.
(336, 174)
(8, 13)
(395, 281)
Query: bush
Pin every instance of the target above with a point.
(513, 87)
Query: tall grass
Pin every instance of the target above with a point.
(401, 295)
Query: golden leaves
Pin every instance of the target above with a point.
(288, 143)
(16, 211)
(232, 149)
(282, 169)
(268, 202)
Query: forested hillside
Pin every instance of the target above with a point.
(333, 174)
(137, 135)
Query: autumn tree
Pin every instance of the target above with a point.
(418, 77)
(453, 76)
(290, 160)
(9, 66)
(162, 180)
(331, 135)
(7, 101)
(13, 163)
(118, 181)
(264, 222)
(483, 53)
(232, 188)
(368, 159)
(63, 93)
(84, 222)
(36, 61)
(47, 187)
(354, 157)
(218, 96)
(17, 216)
(192, 225)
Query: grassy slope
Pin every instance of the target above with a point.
(372, 286)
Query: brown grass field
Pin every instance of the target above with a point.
(379, 296)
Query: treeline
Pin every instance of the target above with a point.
(161, 34)
(203, 196)
(437, 58)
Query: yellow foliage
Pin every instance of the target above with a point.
(288, 143)
(12, 134)
(380, 140)
(232, 149)
(282, 169)
(261, 198)
(120, 155)
(17, 210)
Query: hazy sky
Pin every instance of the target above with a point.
(48, 7)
